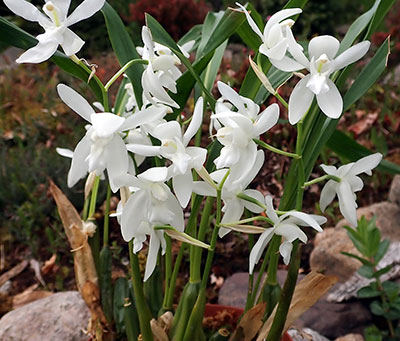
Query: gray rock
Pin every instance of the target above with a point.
(62, 316)
(306, 334)
(394, 193)
(351, 337)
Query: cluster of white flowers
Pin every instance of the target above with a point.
(237, 121)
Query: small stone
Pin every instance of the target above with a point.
(351, 337)
(49, 318)
(394, 192)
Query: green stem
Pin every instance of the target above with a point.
(141, 305)
(204, 224)
(320, 179)
(276, 150)
(174, 276)
(300, 167)
(252, 200)
(122, 70)
(280, 99)
(251, 280)
(286, 297)
(192, 231)
(168, 267)
(85, 209)
(107, 217)
(93, 198)
(249, 220)
(260, 275)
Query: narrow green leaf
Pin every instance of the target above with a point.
(122, 98)
(376, 308)
(347, 147)
(362, 260)
(367, 76)
(193, 34)
(295, 4)
(357, 27)
(124, 48)
(383, 271)
(380, 13)
(209, 26)
(121, 292)
(211, 71)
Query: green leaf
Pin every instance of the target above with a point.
(209, 25)
(106, 292)
(376, 308)
(382, 10)
(295, 4)
(121, 292)
(366, 271)
(14, 36)
(357, 239)
(211, 71)
(367, 76)
(368, 292)
(372, 333)
(383, 247)
(193, 34)
(347, 147)
(124, 48)
(362, 260)
(383, 271)
(357, 27)
(122, 98)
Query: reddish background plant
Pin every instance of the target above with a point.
(176, 16)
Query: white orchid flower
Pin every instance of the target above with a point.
(55, 23)
(174, 147)
(275, 42)
(323, 62)
(161, 72)
(287, 226)
(102, 147)
(348, 185)
(151, 204)
(233, 205)
(237, 129)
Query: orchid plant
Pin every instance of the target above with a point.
(145, 152)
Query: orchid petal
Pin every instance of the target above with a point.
(232, 96)
(267, 119)
(323, 45)
(347, 204)
(330, 170)
(351, 55)
(331, 102)
(300, 100)
(75, 101)
(286, 64)
(355, 182)
(270, 209)
(39, 53)
(285, 249)
(250, 21)
(366, 164)
(203, 188)
(142, 149)
(65, 152)
(72, 43)
(257, 195)
(152, 255)
(155, 174)
(279, 16)
(195, 123)
(182, 185)
(328, 193)
(27, 11)
(133, 214)
(63, 6)
(106, 124)
(177, 213)
(85, 10)
(79, 166)
(306, 218)
(117, 161)
(259, 247)
(168, 131)
(296, 50)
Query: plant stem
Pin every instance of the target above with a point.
(93, 198)
(276, 150)
(320, 179)
(252, 200)
(106, 217)
(122, 70)
(251, 280)
(280, 99)
(141, 305)
(174, 276)
(168, 267)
